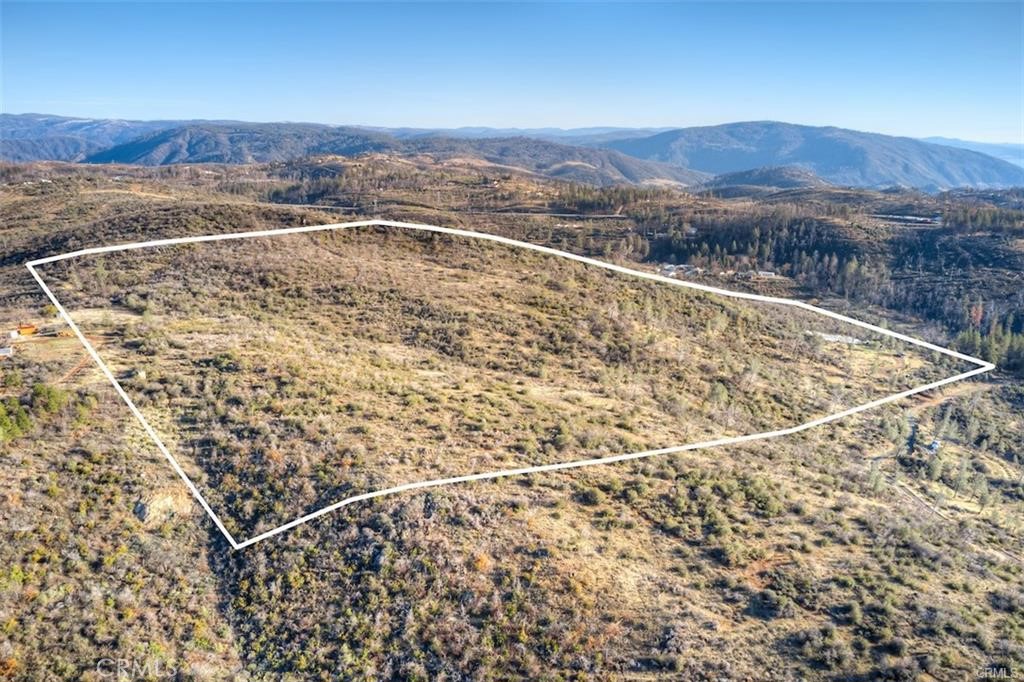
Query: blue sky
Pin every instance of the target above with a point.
(916, 69)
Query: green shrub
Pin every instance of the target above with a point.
(48, 399)
(590, 496)
(14, 420)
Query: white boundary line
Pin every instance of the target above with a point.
(31, 265)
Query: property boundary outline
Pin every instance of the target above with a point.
(982, 366)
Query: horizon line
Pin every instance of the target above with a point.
(652, 128)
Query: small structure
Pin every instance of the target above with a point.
(27, 329)
(6, 352)
(933, 447)
(765, 274)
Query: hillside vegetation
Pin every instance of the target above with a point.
(856, 551)
(302, 369)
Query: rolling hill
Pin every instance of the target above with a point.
(764, 180)
(842, 157)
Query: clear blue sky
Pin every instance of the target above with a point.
(915, 69)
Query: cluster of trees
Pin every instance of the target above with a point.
(313, 182)
(575, 198)
(806, 249)
(973, 219)
(925, 272)
(776, 237)
(1000, 344)
(17, 420)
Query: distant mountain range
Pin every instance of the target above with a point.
(157, 143)
(600, 156)
(568, 135)
(839, 156)
(263, 142)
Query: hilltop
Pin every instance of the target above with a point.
(761, 181)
